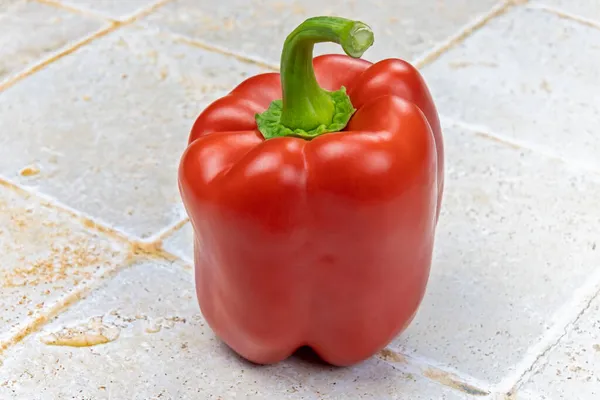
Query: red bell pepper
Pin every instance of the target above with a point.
(314, 196)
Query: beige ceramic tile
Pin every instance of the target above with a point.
(372, 379)
(588, 9)
(572, 369)
(106, 126)
(31, 31)
(517, 235)
(44, 256)
(151, 341)
(181, 243)
(404, 28)
(117, 9)
(526, 76)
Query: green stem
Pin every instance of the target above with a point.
(305, 104)
(306, 109)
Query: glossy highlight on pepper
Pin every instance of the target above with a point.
(314, 196)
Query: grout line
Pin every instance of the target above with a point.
(566, 15)
(564, 318)
(431, 55)
(11, 80)
(168, 230)
(145, 11)
(433, 371)
(177, 37)
(521, 145)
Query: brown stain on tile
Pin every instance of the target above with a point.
(68, 255)
(451, 381)
(597, 347)
(545, 86)
(391, 356)
(148, 249)
(64, 262)
(56, 308)
(139, 250)
(466, 64)
(92, 333)
(31, 170)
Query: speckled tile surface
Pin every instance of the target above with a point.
(181, 243)
(534, 85)
(97, 293)
(46, 257)
(115, 9)
(144, 314)
(32, 31)
(587, 9)
(572, 368)
(501, 213)
(405, 27)
(127, 103)
(148, 312)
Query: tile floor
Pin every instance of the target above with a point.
(97, 295)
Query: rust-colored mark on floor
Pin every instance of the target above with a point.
(31, 170)
(466, 64)
(91, 333)
(449, 380)
(71, 262)
(153, 250)
(391, 356)
(545, 86)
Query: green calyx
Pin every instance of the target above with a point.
(307, 110)
(269, 122)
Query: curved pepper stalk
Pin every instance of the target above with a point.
(312, 238)
(306, 109)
